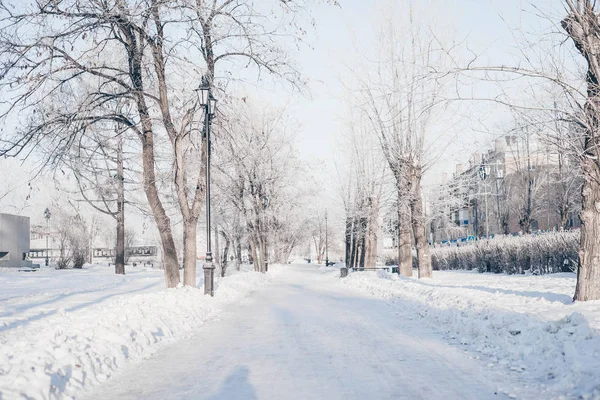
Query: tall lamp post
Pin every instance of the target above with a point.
(208, 101)
(326, 242)
(47, 215)
(484, 172)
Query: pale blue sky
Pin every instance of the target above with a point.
(488, 26)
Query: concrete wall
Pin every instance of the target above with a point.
(14, 240)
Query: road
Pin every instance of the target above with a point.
(308, 337)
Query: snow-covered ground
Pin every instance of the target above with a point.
(311, 335)
(307, 336)
(65, 330)
(520, 323)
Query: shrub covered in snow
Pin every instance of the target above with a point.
(540, 254)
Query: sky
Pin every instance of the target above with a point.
(342, 35)
(345, 32)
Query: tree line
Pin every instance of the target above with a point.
(416, 73)
(106, 88)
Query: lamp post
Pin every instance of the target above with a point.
(326, 242)
(47, 215)
(207, 100)
(476, 233)
(484, 172)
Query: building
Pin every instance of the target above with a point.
(518, 184)
(14, 241)
(145, 255)
(42, 245)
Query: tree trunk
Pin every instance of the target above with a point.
(354, 245)
(506, 223)
(225, 256)
(348, 241)
(264, 254)
(120, 245)
(317, 243)
(404, 237)
(259, 255)
(372, 229)
(189, 251)
(363, 241)
(238, 253)
(588, 272)
(564, 214)
(564, 199)
(286, 253)
(217, 259)
(254, 255)
(581, 25)
(163, 222)
(419, 229)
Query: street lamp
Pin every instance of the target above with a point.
(47, 215)
(208, 101)
(484, 172)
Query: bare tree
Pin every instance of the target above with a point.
(581, 24)
(98, 165)
(362, 178)
(401, 93)
(578, 107)
(289, 230)
(38, 68)
(446, 201)
(72, 238)
(49, 48)
(259, 171)
(316, 226)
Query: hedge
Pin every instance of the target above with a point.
(539, 254)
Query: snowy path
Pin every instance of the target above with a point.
(305, 337)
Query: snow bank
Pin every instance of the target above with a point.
(76, 338)
(523, 323)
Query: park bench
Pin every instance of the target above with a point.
(344, 271)
(370, 269)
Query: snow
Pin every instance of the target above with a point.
(520, 323)
(307, 336)
(62, 331)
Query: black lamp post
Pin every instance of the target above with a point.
(484, 172)
(47, 215)
(209, 103)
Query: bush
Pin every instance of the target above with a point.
(72, 240)
(78, 260)
(390, 261)
(63, 262)
(539, 254)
